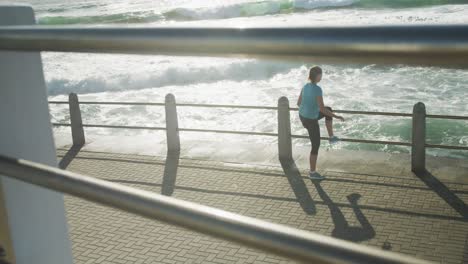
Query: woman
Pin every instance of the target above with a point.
(311, 110)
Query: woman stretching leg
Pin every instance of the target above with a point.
(311, 110)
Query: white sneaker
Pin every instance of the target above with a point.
(334, 140)
(315, 176)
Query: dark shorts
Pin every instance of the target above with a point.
(313, 129)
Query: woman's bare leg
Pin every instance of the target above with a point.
(329, 125)
(313, 162)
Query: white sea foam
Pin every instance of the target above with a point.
(251, 8)
(294, 12)
(88, 73)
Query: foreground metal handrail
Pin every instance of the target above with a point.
(427, 44)
(278, 239)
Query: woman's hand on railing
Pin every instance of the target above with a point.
(340, 118)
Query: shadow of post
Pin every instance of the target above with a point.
(69, 156)
(342, 229)
(444, 192)
(298, 185)
(170, 173)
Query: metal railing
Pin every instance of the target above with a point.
(428, 44)
(278, 239)
(418, 142)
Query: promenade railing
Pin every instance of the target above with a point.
(418, 139)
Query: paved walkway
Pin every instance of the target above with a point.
(416, 215)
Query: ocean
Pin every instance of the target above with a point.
(243, 81)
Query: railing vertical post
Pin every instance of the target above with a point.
(75, 120)
(418, 149)
(284, 130)
(172, 125)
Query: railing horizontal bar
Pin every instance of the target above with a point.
(362, 141)
(241, 133)
(231, 106)
(372, 113)
(395, 143)
(60, 124)
(419, 44)
(228, 132)
(364, 112)
(122, 103)
(179, 104)
(180, 129)
(447, 147)
(263, 108)
(124, 127)
(448, 117)
(184, 104)
(281, 240)
(270, 134)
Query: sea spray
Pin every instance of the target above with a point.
(52, 15)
